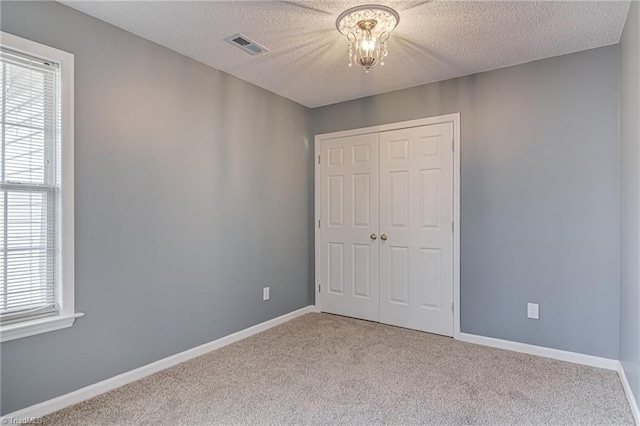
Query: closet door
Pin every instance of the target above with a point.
(416, 223)
(349, 242)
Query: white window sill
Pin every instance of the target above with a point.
(38, 326)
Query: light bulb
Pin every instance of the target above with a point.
(368, 45)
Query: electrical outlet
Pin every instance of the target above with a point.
(533, 311)
(265, 293)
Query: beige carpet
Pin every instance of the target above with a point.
(324, 369)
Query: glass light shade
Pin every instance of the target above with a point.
(367, 28)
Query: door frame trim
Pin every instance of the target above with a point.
(449, 118)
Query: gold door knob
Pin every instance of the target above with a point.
(373, 236)
(383, 237)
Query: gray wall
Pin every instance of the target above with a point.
(193, 191)
(630, 198)
(539, 194)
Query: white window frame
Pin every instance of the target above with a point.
(66, 299)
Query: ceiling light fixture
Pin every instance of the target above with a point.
(367, 28)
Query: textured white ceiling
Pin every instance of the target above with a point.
(307, 62)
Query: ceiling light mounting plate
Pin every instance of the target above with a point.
(382, 18)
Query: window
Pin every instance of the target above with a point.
(36, 183)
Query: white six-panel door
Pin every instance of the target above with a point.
(386, 229)
(416, 223)
(349, 254)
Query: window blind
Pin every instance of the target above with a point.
(30, 184)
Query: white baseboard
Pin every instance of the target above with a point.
(63, 401)
(577, 358)
(630, 397)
